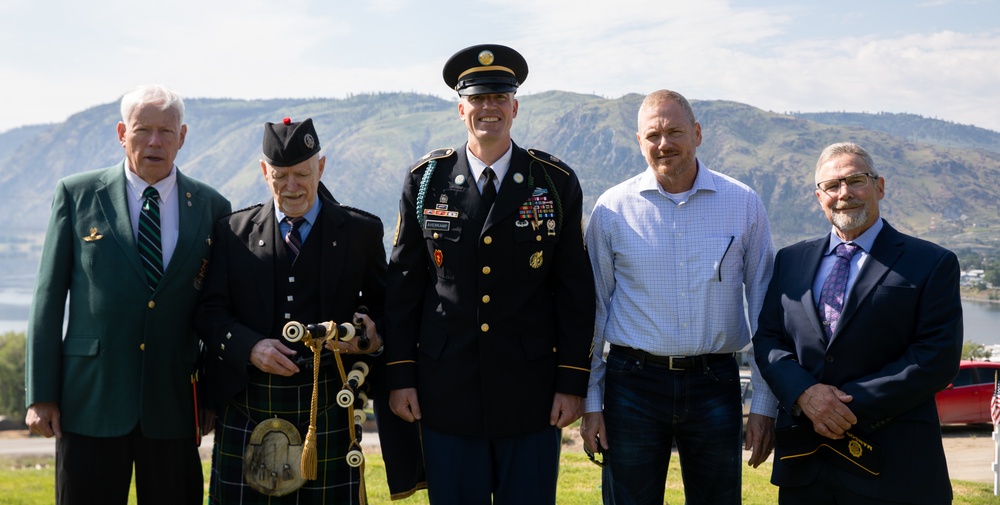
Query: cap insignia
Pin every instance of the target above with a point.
(486, 57)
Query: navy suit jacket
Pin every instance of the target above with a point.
(898, 342)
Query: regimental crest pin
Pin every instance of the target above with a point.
(93, 237)
(855, 448)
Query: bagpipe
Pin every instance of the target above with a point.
(352, 395)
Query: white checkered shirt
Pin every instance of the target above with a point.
(671, 276)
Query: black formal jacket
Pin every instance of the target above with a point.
(898, 342)
(237, 306)
(491, 313)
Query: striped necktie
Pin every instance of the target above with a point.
(292, 237)
(150, 249)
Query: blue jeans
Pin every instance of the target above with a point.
(647, 407)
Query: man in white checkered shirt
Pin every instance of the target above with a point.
(674, 251)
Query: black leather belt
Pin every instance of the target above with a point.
(697, 363)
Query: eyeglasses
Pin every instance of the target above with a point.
(856, 181)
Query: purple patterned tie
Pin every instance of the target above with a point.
(292, 237)
(831, 297)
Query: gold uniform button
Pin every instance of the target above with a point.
(538, 238)
(436, 236)
(485, 327)
(151, 304)
(142, 346)
(486, 270)
(487, 240)
(486, 298)
(554, 349)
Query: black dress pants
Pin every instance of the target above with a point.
(98, 470)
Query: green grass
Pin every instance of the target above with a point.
(30, 480)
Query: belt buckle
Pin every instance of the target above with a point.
(670, 364)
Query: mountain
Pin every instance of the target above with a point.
(913, 128)
(941, 178)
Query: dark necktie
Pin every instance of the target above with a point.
(489, 189)
(150, 248)
(831, 297)
(292, 237)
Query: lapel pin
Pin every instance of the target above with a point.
(518, 178)
(93, 236)
(460, 179)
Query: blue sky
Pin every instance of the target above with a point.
(936, 58)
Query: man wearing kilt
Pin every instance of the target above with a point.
(300, 257)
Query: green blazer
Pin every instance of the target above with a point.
(128, 352)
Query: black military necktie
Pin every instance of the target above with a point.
(489, 189)
(150, 248)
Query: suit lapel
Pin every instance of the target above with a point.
(113, 197)
(813, 255)
(886, 249)
(261, 243)
(334, 249)
(464, 196)
(190, 206)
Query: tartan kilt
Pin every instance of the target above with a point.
(267, 396)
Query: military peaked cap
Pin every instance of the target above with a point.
(485, 68)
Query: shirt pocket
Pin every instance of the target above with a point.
(534, 249)
(443, 248)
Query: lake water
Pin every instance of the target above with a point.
(982, 319)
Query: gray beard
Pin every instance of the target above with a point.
(850, 222)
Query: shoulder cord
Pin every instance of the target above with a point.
(422, 192)
(552, 189)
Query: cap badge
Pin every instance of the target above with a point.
(309, 141)
(486, 57)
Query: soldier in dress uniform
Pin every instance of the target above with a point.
(300, 257)
(492, 299)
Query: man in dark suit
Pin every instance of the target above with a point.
(129, 244)
(859, 330)
(304, 257)
(492, 299)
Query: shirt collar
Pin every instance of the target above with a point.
(866, 240)
(703, 181)
(165, 186)
(310, 216)
(477, 166)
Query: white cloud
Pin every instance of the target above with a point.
(778, 57)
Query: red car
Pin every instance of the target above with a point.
(967, 398)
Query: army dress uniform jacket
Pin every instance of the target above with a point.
(492, 310)
(128, 351)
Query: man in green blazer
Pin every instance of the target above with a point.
(130, 245)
